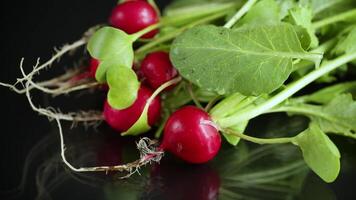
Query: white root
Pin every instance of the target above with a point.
(59, 82)
(149, 152)
(58, 55)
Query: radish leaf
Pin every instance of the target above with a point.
(302, 16)
(251, 61)
(123, 85)
(319, 152)
(263, 12)
(108, 44)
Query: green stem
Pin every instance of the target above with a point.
(293, 88)
(320, 49)
(244, 9)
(175, 33)
(193, 96)
(197, 12)
(148, 29)
(311, 110)
(336, 18)
(159, 130)
(212, 103)
(259, 140)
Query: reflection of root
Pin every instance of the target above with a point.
(32, 155)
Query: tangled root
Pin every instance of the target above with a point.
(149, 151)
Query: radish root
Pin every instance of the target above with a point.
(149, 151)
(147, 148)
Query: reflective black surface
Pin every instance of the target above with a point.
(31, 167)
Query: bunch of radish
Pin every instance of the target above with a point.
(189, 132)
(195, 72)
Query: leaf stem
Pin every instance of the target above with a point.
(243, 10)
(193, 96)
(259, 140)
(175, 33)
(249, 113)
(212, 103)
(148, 29)
(333, 19)
(312, 110)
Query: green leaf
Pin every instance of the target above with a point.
(225, 107)
(319, 152)
(327, 8)
(339, 116)
(263, 12)
(326, 95)
(141, 126)
(179, 7)
(232, 139)
(181, 12)
(123, 85)
(347, 44)
(250, 61)
(111, 44)
(302, 16)
(285, 6)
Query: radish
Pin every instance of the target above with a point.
(134, 16)
(89, 73)
(93, 66)
(158, 69)
(123, 120)
(191, 135)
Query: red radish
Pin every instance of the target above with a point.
(191, 135)
(90, 73)
(157, 68)
(122, 120)
(134, 16)
(93, 66)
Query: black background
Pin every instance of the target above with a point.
(31, 29)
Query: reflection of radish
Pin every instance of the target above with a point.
(158, 69)
(122, 120)
(110, 153)
(191, 135)
(134, 16)
(185, 182)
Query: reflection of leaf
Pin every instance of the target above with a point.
(251, 61)
(319, 152)
(260, 174)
